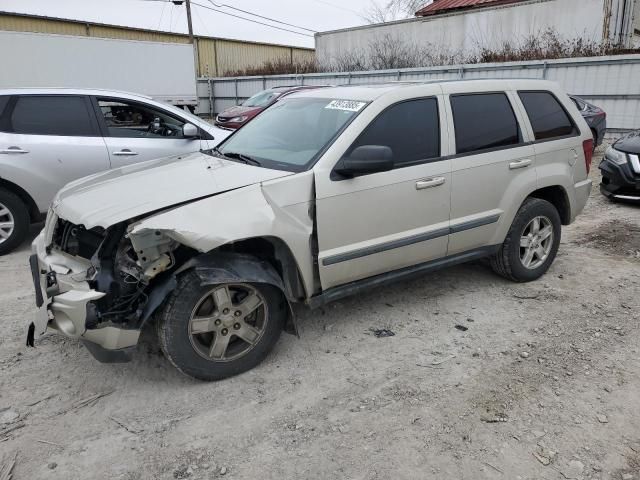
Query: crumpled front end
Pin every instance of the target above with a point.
(89, 285)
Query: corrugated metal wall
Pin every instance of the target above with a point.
(610, 82)
(216, 56)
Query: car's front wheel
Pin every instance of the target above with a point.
(14, 221)
(212, 332)
(531, 244)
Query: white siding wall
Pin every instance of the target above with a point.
(489, 27)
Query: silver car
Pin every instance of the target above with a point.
(49, 137)
(327, 193)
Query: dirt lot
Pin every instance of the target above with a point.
(484, 379)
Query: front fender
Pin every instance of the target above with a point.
(223, 267)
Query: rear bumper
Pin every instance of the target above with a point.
(619, 181)
(582, 190)
(64, 304)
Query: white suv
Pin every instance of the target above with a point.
(328, 193)
(49, 137)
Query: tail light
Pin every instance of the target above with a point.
(587, 146)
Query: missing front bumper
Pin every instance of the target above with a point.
(67, 312)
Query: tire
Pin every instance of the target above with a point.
(12, 211)
(509, 262)
(188, 343)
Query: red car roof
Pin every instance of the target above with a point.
(443, 6)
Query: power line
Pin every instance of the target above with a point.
(260, 16)
(337, 6)
(250, 20)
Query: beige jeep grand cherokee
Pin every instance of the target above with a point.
(328, 193)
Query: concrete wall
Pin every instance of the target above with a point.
(488, 27)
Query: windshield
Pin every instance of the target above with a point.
(292, 133)
(261, 99)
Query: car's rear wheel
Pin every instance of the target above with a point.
(14, 221)
(216, 331)
(531, 244)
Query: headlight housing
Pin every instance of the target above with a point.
(240, 119)
(615, 156)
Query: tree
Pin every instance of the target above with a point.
(393, 10)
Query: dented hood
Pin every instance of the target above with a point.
(116, 195)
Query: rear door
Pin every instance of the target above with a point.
(384, 221)
(135, 131)
(47, 141)
(494, 162)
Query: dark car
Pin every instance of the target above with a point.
(595, 117)
(235, 117)
(620, 169)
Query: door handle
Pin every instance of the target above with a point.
(11, 150)
(520, 164)
(429, 183)
(125, 152)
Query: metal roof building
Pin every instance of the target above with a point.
(216, 56)
(444, 6)
(450, 28)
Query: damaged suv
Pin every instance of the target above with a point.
(328, 193)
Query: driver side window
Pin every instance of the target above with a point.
(410, 128)
(125, 119)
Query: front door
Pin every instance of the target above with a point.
(135, 132)
(384, 221)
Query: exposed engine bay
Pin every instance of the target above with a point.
(122, 266)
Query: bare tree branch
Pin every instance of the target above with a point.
(392, 10)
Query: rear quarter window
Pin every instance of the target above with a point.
(548, 117)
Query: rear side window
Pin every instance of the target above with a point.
(483, 121)
(411, 129)
(548, 118)
(52, 115)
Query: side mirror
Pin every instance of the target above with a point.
(366, 159)
(189, 130)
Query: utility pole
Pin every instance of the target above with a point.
(192, 40)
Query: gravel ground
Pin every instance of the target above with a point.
(484, 379)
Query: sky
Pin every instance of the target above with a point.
(316, 15)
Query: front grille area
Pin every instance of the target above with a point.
(77, 240)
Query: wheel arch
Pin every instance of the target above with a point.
(255, 260)
(558, 197)
(34, 211)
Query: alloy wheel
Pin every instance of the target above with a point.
(228, 321)
(7, 223)
(536, 242)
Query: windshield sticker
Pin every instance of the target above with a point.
(346, 105)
